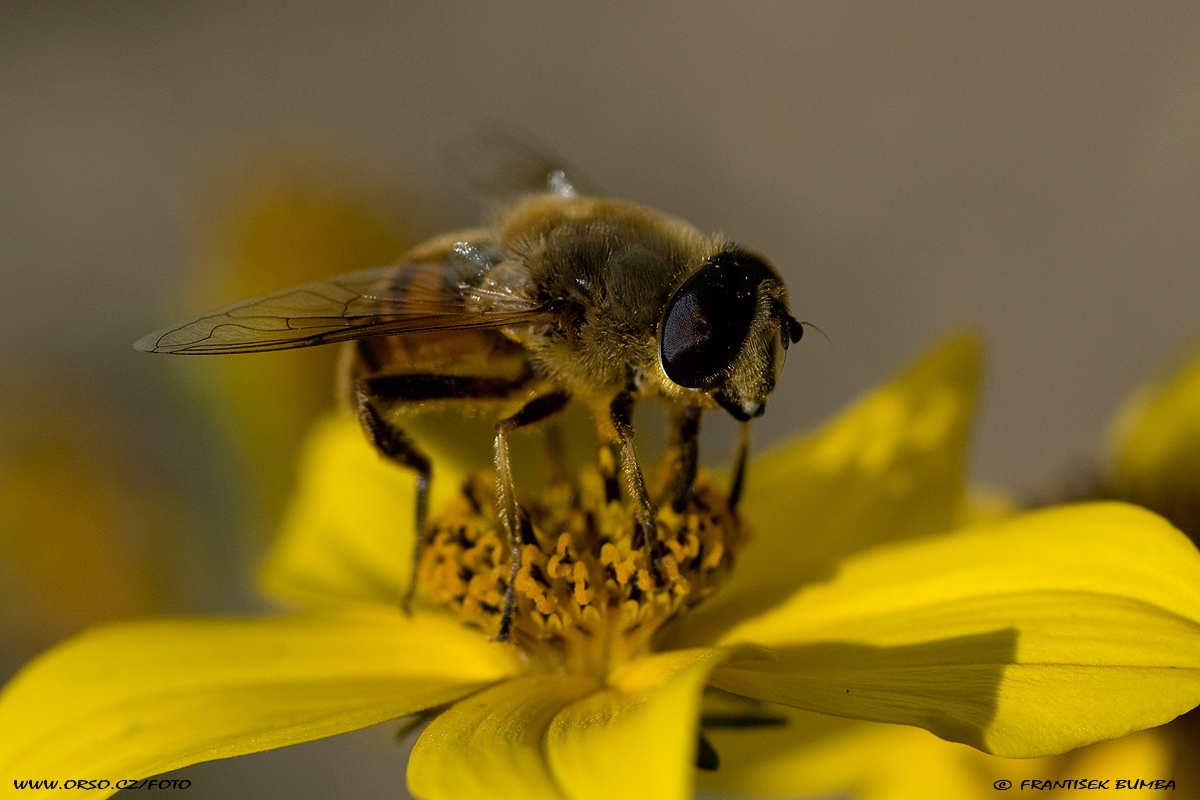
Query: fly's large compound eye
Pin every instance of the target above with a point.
(708, 318)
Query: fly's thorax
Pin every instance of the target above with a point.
(518, 228)
(607, 260)
(586, 596)
(605, 270)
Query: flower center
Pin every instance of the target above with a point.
(586, 597)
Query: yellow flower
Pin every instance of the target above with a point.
(1153, 460)
(75, 510)
(1031, 636)
(1154, 448)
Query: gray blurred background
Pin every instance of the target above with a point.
(1029, 169)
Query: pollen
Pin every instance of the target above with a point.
(587, 597)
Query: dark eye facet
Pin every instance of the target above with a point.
(708, 318)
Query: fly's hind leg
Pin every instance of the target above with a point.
(535, 410)
(397, 447)
(413, 389)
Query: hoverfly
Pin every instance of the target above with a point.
(561, 297)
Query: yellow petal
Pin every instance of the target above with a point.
(493, 743)
(142, 698)
(348, 530)
(1035, 636)
(888, 469)
(818, 755)
(348, 534)
(566, 736)
(814, 754)
(638, 736)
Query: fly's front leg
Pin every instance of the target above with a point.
(621, 417)
(686, 431)
(535, 410)
(739, 466)
(396, 446)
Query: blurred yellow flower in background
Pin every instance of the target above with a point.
(281, 226)
(1153, 448)
(91, 528)
(1028, 637)
(81, 523)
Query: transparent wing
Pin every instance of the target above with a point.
(502, 162)
(399, 299)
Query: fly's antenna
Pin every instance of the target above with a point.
(818, 330)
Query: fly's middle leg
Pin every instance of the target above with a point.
(621, 420)
(535, 410)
